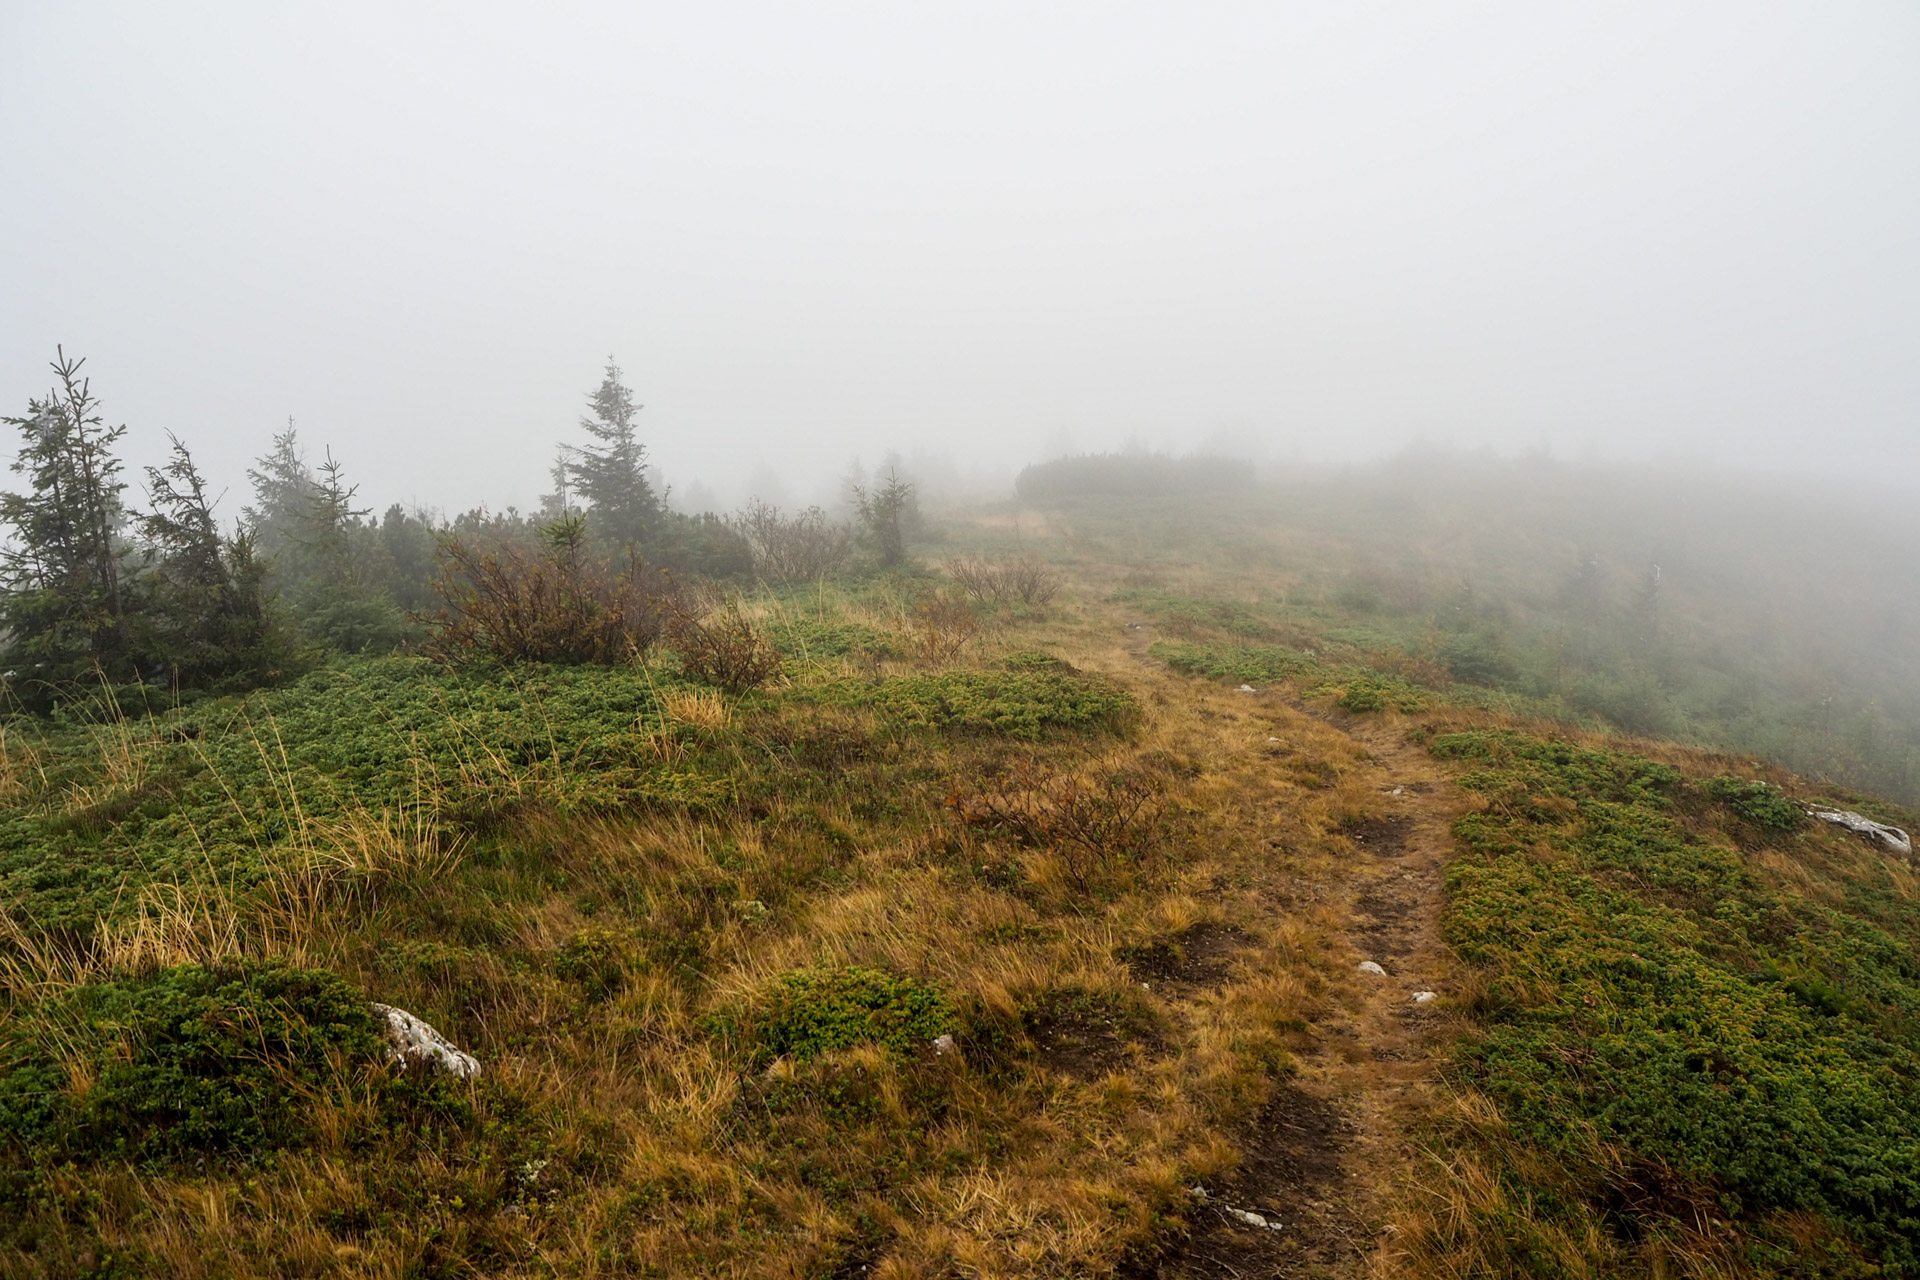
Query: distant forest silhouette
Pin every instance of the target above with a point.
(1138, 474)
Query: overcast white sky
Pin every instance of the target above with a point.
(811, 231)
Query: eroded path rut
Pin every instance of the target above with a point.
(1321, 1158)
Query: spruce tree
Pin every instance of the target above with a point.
(284, 489)
(558, 504)
(610, 474)
(886, 513)
(64, 608)
(206, 620)
(338, 605)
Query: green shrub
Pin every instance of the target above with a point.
(1023, 700)
(805, 638)
(1479, 657)
(811, 1012)
(1761, 803)
(1657, 994)
(190, 1060)
(596, 961)
(1377, 693)
(1236, 664)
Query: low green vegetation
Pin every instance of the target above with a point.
(812, 1012)
(1244, 664)
(1760, 803)
(186, 1062)
(1022, 699)
(1679, 1027)
(226, 791)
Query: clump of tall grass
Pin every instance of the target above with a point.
(21, 771)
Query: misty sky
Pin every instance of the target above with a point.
(815, 231)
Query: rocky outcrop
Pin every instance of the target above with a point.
(1893, 838)
(413, 1043)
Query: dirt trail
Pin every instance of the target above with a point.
(1321, 1157)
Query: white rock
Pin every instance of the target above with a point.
(409, 1040)
(943, 1045)
(1368, 966)
(1892, 837)
(1421, 997)
(1247, 1216)
(1246, 688)
(1396, 791)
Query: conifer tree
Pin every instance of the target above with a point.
(886, 511)
(558, 504)
(337, 605)
(64, 608)
(610, 474)
(206, 618)
(284, 489)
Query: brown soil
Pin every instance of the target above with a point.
(1085, 1044)
(1293, 1175)
(1197, 957)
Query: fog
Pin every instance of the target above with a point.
(987, 234)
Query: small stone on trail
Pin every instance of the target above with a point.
(1368, 966)
(1421, 997)
(1247, 1216)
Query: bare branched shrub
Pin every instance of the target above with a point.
(1029, 581)
(941, 625)
(1099, 824)
(1004, 579)
(974, 576)
(503, 600)
(796, 548)
(719, 646)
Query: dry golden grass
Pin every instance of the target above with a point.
(21, 773)
(700, 708)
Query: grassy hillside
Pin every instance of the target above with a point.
(954, 953)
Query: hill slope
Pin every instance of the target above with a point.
(706, 950)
